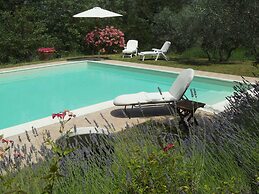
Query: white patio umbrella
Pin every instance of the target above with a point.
(97, 12)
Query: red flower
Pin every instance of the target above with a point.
(62, 115)
(46, 50)
(168, 147)
(59, 115)
(7, 141)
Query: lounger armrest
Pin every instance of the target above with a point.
(156, 50)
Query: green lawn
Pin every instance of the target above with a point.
(235, 67)
(242, 68)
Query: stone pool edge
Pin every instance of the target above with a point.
(18, 129)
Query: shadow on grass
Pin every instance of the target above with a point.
(200, 62)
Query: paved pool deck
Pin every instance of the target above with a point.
(110, 117)
(113, 119)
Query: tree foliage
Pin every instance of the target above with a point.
(178, 27)
(225, 26)
(218, 26)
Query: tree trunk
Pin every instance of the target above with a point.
(229, 53)
(225, 54)
(221, 58)
(256, 54)
(208, 54)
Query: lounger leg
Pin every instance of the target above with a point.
(164, 56)
(126, 112)
(157, 56)
(143, 58)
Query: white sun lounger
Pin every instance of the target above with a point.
(157, 52)
(130, 49)
(175, 93)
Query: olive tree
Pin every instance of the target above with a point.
(180, 28)
(225, 26)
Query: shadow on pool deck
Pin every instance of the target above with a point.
(146, 111)
(113, 119)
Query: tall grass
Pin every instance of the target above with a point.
(195, 52)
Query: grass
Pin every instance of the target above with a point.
(37, 61)
(239, 64)
(242, 68)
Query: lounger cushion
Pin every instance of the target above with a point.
(128, 99)
(175, 93)
(181, 83)
(142, 98)
(157, 97)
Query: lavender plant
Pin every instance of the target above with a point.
(54, 170)
(229, 141)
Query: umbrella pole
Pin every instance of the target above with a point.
(98, 49)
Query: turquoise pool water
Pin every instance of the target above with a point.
(33, 94)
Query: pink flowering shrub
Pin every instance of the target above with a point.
(106, 40)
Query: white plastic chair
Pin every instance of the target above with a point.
(130, 49)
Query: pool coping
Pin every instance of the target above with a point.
(205, 74)
(18, 129)
(21, 128)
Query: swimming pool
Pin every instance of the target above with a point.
(32, 94)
